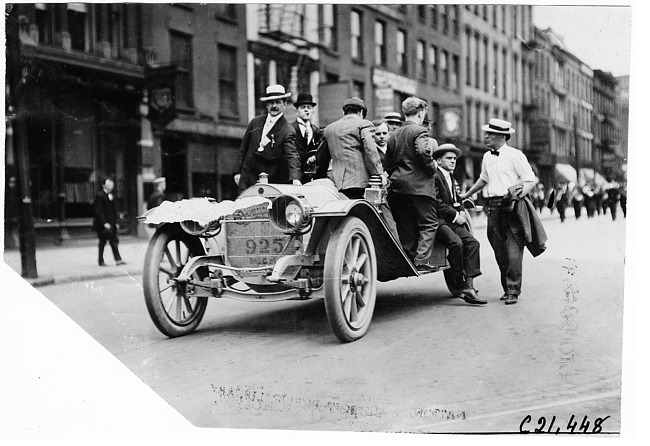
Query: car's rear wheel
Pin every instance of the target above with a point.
(172, 307)
(350, 277)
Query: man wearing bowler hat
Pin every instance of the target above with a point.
(453, 230)
(508, 177)
(307, 134)
(269, 145)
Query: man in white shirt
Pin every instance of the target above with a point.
(503, 167)
(453, 230)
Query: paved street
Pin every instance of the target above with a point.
(428, 364)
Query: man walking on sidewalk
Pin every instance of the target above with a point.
(105, 222)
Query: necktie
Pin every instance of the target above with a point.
(308, 133)
(494, 152)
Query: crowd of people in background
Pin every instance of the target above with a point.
(584, 198)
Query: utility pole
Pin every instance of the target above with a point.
(17, 66)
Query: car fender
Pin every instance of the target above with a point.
(394, 262)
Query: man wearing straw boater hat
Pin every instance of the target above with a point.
(509, 178)
(269, 145)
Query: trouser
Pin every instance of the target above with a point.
(577, 208)
(110, 236)
(464, 250)
(505, 235)
(417, 223)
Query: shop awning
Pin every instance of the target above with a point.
(565, 173)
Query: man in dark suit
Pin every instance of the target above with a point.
(410, 164)
(105, 221)
(307, 135)
(269, 145)
(464, 249)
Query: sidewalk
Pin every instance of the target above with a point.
(76, 261)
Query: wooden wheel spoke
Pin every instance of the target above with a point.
(347, 304)
(354, 308)
(171, 285)
(178, 250)
(170, 258)
(359, 300)
(188, 304)
(361, 261)
(167, 271)
(356, 245)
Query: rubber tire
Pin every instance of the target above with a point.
(336, 268)
(168, 324)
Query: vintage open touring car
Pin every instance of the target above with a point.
(274, 242)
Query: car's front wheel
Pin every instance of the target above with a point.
(171, 305)
(350, 277)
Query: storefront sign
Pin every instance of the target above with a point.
(162, 100)
(383, 79)
(451, 122)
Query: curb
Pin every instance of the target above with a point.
(40, 282)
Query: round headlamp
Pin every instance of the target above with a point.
(290, 214)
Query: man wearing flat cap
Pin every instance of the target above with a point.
(350, 145)
(307, 134)
(509, 178)
(453, 230)
(269, 145)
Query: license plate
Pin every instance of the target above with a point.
(254, 243)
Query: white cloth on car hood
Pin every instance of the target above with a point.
(200, 210)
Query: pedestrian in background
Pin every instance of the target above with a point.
(623, 199)
(562, 200)
(577, 199)
(381, 138)
(410, 164)
(269, 145)
(590, 200)
(158, 195)
(394, 121)
(105, 222)
(613, 197)
(308, 136)
(509, 178)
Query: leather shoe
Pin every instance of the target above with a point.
(470, 296)
(426, 268)
(503, 297)
(511, 299)
(120, 262)
(102, 264)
